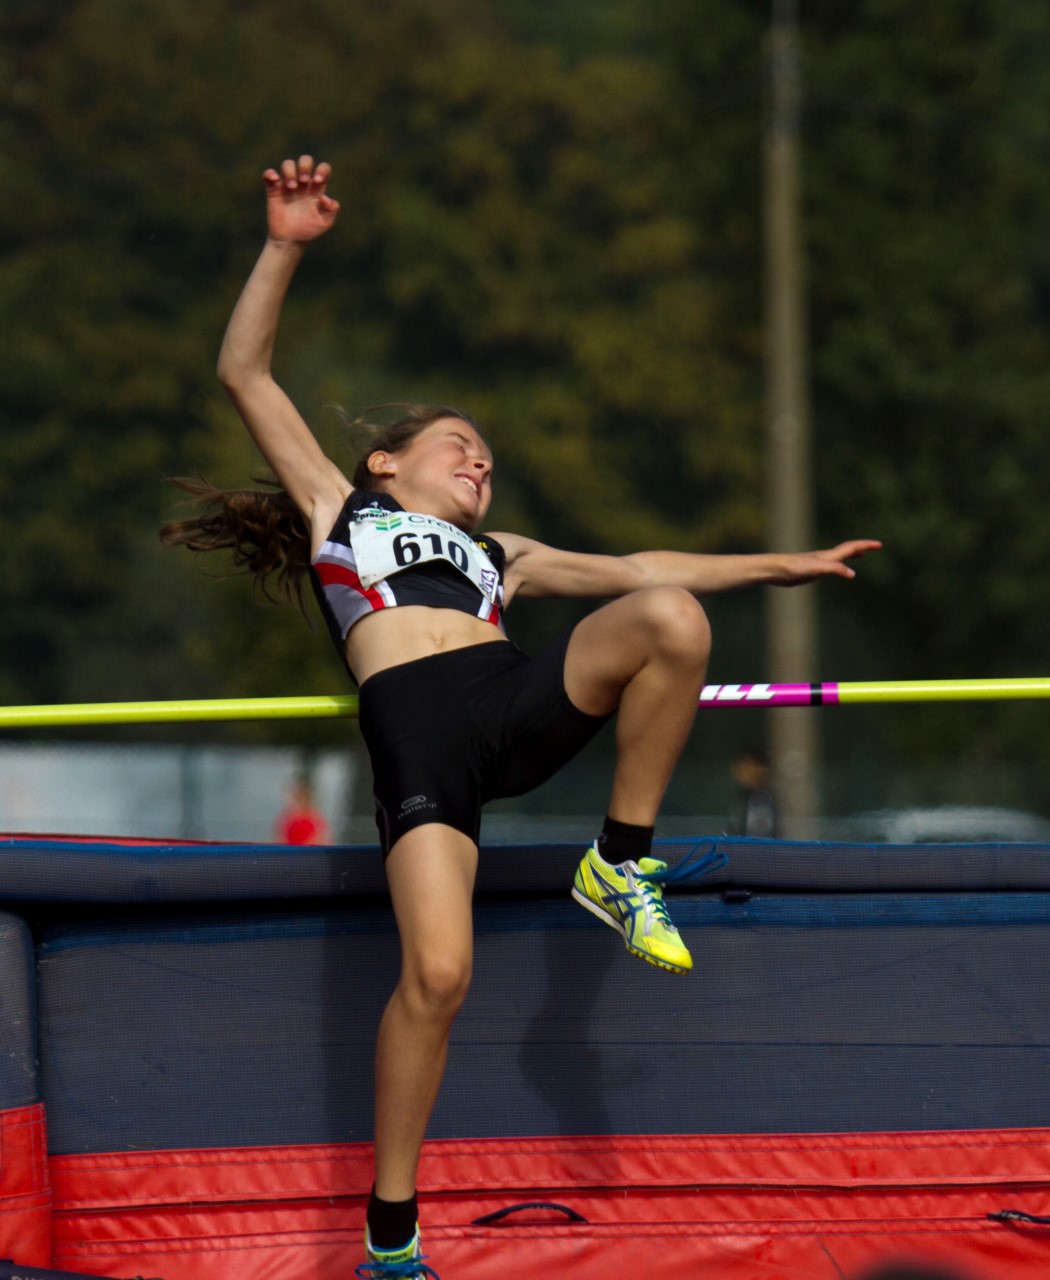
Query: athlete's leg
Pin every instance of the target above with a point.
(645, 653)
(431, 873)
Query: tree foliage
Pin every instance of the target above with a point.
(510, 241)
(552, 216)
(929, 210)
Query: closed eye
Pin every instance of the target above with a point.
(467, 445)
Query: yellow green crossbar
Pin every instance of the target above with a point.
(832, 693)
(192, 710)
(827, 693)
(943, 690)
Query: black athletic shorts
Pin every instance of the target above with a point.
(448, 732)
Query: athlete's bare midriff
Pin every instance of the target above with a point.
(390, 637)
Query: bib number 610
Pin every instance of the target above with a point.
(407, 549)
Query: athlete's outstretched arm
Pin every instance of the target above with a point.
(298, 211)
(534, 569)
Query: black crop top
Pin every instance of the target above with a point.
(379, 555)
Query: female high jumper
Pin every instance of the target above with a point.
(452, 712)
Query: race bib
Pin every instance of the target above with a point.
(385, 542)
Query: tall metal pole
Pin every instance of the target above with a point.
(790, 617)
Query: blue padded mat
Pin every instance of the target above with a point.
(19, 1076)
(805, 1013)
(54, 869)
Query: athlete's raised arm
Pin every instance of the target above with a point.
(534, 569)
(298, 211)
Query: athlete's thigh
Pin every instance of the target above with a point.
(611, 645)
(431, 872)
(606, 649)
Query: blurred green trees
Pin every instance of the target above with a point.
(930, 198)
(551, 216)
(511, 240)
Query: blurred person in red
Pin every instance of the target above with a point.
(301, 821)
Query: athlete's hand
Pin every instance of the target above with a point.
(808, 566)
(298, 206)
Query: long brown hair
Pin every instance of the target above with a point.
(264, 529)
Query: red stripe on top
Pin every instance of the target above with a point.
(338, 575)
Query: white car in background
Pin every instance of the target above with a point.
(946, 824)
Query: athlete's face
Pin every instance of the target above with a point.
(446, 471)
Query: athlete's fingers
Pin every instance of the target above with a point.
(857, 547)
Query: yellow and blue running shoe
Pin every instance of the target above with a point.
(395, 1264)
(630, 897)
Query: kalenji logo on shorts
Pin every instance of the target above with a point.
(737, 693)
(413, 805)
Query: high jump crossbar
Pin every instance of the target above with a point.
(826, 694)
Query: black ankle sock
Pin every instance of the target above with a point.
(391, 1223)
(621, 840)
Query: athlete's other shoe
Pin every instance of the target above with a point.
(395, 1264)
(630, 897)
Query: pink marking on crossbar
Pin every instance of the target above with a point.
(768, 695)
(791, 695)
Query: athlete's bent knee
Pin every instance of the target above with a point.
(678, 621)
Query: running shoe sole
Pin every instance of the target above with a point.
(604, 915)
